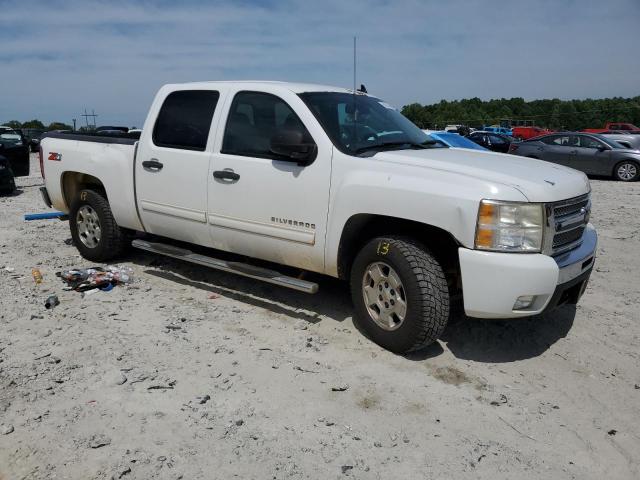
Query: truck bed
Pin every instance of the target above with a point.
(81, 158)
(124, 139)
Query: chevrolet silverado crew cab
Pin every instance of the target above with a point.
(337, 182)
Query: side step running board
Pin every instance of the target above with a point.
(244, 269)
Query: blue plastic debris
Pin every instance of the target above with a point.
(43, 216)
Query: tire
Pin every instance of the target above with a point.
(10, 189)
(90, 210)
(626, 171)
(423, 288)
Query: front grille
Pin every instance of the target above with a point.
(565, 238)
(568, 209)
(567, 221)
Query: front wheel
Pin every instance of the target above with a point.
(400, 294)
(627, 171)
(95, 232)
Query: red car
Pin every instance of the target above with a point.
(622, 127)
(525, 133)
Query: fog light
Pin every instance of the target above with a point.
(524, 301)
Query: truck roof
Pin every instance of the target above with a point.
(292, 86)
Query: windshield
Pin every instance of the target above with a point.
(611, 143)
(10, 137)
(359, 123)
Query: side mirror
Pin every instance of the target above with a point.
(602, 148)
(290, 143)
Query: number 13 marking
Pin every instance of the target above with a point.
(383, 248)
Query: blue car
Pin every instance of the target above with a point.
(454, 140)
(502, 130)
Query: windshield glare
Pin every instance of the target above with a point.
(358, 123)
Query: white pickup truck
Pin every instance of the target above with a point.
(329, 180)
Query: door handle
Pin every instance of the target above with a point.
(573, 152)
(226, 174)
(153, 165)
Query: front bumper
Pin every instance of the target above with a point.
(492, 282)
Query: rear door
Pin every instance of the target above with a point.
(172, 165)
(480, 139)
(260, 204)
(559, 149)
(498, 144)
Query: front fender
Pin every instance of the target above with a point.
(445, 200)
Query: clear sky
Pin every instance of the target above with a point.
(58, 57)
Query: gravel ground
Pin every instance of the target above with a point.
(189, 373)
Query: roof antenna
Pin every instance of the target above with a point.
(362, 88)
(354, 65)
(355, 112)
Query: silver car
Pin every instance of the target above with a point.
(590, 153)
(631, 142)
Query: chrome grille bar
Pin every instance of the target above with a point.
(566, 221)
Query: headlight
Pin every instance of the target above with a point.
(509, 227)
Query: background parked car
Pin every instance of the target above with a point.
(454, 140)
(525, 133)
(495, 142)
(7, 182)
(592, 154)
(629, 128)
(13, 147)
(496, 129)
(32, 136)
(627, 140)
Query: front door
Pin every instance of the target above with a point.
(264, 205)
(172, 166)
(592, 157)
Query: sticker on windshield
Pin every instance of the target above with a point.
(386, 105)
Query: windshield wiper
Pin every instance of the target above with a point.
(385, 145)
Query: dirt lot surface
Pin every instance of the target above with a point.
(189, 373)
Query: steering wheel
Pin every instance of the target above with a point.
(369, 134)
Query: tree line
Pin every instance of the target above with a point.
(553, 113)
(37, 124)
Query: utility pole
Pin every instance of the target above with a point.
(86, 118)
(74, 124)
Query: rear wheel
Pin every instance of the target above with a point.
(626, 171)
(400, 294)
(95, 232)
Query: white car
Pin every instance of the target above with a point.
(328, 180)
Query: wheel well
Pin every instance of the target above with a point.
(361, 228)
(73, 182)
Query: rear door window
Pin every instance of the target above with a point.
(560, 140)
(184, 119)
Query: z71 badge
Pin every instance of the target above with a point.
(55, 156)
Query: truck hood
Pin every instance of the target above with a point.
(537, 180)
